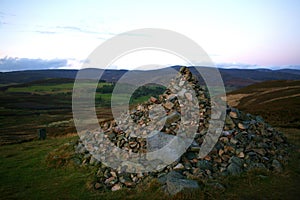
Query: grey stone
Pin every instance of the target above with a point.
(236, 160)
(204, 164)
(175, 182)
(277, 166)
(234, 169)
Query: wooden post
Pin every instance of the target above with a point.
(42, 134)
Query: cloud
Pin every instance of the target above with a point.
(78, 29)
(239, 66)
(251, 66)
(17, 64)
(46, 32)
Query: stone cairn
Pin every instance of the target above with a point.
(246, 143)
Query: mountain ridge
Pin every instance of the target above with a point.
(236, 78)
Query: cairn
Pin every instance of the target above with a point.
(246, 143)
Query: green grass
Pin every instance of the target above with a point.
(50, 88)
(26, 174)
(105, 99)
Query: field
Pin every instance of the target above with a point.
(25, 108)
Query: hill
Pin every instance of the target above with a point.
(233, 78)
(276, 101)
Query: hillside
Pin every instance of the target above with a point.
(276, 101)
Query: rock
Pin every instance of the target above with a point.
(110, 181)
(241, 155)
(153, 99)
(179, 166)
(181, 83)
(241, 126)
(229, 124)
(236, 160)
(158, 141)
(195, 148)
(129, 184)
(114, 174)
(168, 105)
(189, 96)
(233, 141)
(234, 169)
(204, 164)
(97, 186)
(256, 166)
(93, 161)
(233, 114)
(277, 166)
(216, 185)
(235, 166)
(116, 187)
(175, 182)
(190, 155)
(171, 118)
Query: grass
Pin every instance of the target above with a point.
(47, 87)
(27, 173)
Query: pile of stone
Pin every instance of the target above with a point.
(246, 143)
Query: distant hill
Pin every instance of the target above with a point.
(276, 101)
(290, 71)
(233, 78)
(34, 75)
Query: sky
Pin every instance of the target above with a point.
(52, 34)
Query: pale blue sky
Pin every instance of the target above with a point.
(256, 32)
